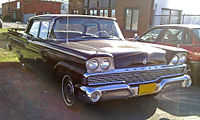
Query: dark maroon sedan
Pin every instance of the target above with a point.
(183, 36)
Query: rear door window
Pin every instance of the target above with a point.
(187, 39)
(197, 34)
(44, 29)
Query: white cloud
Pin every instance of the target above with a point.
(188, 6)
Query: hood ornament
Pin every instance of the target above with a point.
(144, 61)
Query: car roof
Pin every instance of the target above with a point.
(189, 26)
(53, 16)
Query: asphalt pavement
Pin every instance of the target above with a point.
(26, 95)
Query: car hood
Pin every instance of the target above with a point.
(124, 53)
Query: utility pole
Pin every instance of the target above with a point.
(98, 8)
(88, 7)
(109, 8)
(9, 8)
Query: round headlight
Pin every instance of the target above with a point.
(183, 59)
(175, 60)
(93, 64)
(105, 64)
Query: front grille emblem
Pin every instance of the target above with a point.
(144, 61)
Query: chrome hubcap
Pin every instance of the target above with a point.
(67, 90)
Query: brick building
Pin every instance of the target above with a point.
(134, 16)
(22, 10)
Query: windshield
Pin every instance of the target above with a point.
(85, 28)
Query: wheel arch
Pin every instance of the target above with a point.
(62, 68)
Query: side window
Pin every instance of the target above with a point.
(152, 35)
(44, 29)
(196, 32)
(187, 39)
(35, 28)
(173, 36)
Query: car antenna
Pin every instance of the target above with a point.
(178, 45)
(67, 36)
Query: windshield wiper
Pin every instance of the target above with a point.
(95, 37)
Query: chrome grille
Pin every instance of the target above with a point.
(133, 77)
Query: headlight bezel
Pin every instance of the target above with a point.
(179, 56)
(103, 62)
(183, 59)
(100, 60)
(91, 63)
(175, 60)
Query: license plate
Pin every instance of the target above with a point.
(147, 88)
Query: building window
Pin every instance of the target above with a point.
(91, 12)
(74, 11)
(132, 16)
(18, 5)
(106, 13)
(101, 12)
(113, 13)
(170, 16)
(95, 12)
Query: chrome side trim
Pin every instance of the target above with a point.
(53, 48)
(135, 69)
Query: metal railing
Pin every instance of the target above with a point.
(183, 19)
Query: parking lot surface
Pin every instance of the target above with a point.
(13, 25)
(26, 95)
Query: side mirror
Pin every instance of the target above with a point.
(18, 22)
(136, 37)
(28, 36)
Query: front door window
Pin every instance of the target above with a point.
(172, 36)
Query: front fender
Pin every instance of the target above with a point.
(69, 67)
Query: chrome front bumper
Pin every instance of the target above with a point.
(93, 94)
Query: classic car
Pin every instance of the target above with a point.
(93, 61)
(183, 36)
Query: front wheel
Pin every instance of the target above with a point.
(68, 91)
